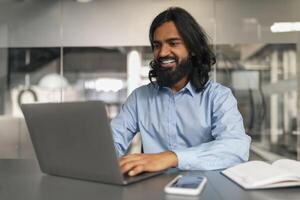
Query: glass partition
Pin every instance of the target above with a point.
(265, 85)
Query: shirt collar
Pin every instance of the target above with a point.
(188, 88)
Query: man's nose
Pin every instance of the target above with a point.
(164, 51)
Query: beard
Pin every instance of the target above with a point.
(167, 77)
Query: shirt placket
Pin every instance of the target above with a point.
(172, 122)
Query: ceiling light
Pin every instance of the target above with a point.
(83, 1)
(280, 27)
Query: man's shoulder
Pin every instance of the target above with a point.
(215, 87)
(147, 89)
(220, 96)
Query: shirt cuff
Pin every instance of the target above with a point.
(184, 161)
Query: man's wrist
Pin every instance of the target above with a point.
(172, 158)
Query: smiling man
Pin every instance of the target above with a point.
(185, 120)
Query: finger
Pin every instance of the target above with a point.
(131, 158)
(136, 170)
(129, 166)
(127, 159)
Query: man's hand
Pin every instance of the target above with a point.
(137, 163)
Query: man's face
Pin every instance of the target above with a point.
(170, 54)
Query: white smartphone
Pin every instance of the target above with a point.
(186, 185)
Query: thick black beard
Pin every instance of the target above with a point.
(166, 77)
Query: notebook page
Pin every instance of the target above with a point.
(288, 165)
(257, 173)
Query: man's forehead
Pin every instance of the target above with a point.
(171, 39)
(166, 31)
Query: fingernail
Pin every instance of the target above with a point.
(131, 173)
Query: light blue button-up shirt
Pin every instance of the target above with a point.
(205, 130)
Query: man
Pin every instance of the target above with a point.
(185, 120)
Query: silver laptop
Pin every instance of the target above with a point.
(74, 139)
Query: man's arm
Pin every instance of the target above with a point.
(124, 128)
(124, 125)
(230, 145)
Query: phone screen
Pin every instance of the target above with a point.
(188, 182)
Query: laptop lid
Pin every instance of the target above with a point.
(73, 139)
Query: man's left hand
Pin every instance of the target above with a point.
(135, 164)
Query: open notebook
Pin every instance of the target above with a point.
(260, 175)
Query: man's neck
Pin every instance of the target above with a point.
(180, 84)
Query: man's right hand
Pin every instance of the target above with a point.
(135, 164)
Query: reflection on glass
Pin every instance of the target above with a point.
(263, 79)
(261, 76)
(88, 74)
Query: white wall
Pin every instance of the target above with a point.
(249, 21)
(30, 23)
(126, 22)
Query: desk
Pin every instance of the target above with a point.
(22, 179)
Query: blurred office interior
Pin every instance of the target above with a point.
(70, 50)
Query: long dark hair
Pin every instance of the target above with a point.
(195, 40)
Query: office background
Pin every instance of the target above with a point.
(67, 50)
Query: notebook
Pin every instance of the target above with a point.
(74, 139)
(261, 175)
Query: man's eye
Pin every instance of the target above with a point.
(156, 46)
(173, 44)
